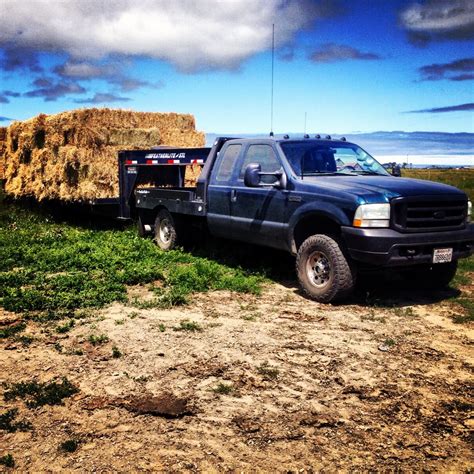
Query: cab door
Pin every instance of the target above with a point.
(219, 191)
(258, 213)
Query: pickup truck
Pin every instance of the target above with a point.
(326, 201)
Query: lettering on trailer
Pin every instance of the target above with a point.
(167, 156)
(173, 162)
(171, 159)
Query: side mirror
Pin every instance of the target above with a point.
(252, 175)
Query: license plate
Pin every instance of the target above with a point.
(442, 255)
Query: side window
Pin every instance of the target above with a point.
(265, 156)
(227, 163)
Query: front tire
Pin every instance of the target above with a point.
(166, 236)
(324, 272)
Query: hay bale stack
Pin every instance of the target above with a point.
(3, 149)
(73, 155)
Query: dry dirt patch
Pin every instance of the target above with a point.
(236, 382)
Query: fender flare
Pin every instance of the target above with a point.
(323, 209)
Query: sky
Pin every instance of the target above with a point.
(340, 66)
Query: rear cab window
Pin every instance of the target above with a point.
(226, 164)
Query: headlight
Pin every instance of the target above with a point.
(372, 215)
(469, 211)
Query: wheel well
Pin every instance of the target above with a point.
(314, 224)
(148, 216)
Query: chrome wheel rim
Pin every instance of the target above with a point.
(165, 231)
(318, 269)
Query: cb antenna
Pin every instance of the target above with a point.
(273, 68)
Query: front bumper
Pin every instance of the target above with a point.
(387, 247)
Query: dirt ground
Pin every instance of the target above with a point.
(274, 383)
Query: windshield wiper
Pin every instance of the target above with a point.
(371, 173)
(320, 173)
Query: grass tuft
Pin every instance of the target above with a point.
(223, 388)
(69, 446)
(38, 394)
(96, 340)
(186, 325)
(8, 423)
(7, 460)
(267, 371)
(116, 354)
(66, 327)
(12, 330)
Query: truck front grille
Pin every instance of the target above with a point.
(426, 213)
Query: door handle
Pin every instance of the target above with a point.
(233, 195)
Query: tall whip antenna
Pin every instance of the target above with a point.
(273, 67)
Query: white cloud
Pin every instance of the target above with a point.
(446, 18)
(86, 70)
(192, 34)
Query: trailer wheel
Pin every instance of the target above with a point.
(166, 236)
(324, 272)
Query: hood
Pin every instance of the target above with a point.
(377, 188)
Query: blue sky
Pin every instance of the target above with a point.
(349, 65)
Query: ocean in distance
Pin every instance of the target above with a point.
(417, 149)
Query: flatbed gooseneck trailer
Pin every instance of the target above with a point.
(326, 201)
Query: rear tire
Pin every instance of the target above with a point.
(324, 272)
(166, 236)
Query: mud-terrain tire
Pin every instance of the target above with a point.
(432, 277)
(166, 234)
(324, 272)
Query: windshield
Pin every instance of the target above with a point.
(312, 158)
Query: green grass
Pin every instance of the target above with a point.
(8, 423)
(12, 330)
(223, 388)
(7, 460)
(69, 446)
(38, 394)
(191, 326)
(66, 327)
(267, 371)
(462, 179)
(97, 340)
(116, 353)
(54, 268)
(464, 276)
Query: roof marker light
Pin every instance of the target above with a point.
(343, 139)
(306, 135)
(317, 136)
(328, 137)
(286, 137)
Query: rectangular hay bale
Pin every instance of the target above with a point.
(3, 150)
(73, 155)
